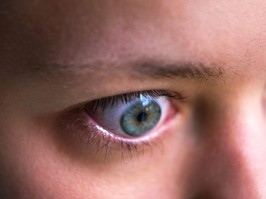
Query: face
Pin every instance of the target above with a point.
(132, 99)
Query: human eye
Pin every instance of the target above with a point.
(126, 122)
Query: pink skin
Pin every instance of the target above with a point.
(215, 145)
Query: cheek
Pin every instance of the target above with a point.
(40, 169)
(34, 168)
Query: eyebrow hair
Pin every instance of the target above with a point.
(152, 69)
(180, 69)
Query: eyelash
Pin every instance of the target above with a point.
(79, 124)
(128, 97)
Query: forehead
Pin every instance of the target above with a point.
(79, 31)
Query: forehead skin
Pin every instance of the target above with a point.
(229, 32)
(77, 32)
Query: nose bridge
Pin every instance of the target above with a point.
(236, 160)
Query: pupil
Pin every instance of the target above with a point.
(142, 117)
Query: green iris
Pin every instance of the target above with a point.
(140, 117)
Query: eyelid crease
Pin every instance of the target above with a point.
(128, 97)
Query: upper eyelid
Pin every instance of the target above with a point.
(128, 97)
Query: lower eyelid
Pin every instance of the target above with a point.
(102, 143)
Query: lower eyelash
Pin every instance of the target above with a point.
(103, 143)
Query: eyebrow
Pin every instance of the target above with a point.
(150, 69)
(188, 70)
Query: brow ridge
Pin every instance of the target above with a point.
(150, 69)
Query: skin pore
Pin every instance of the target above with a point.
(57, 56)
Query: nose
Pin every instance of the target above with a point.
(233, 154)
